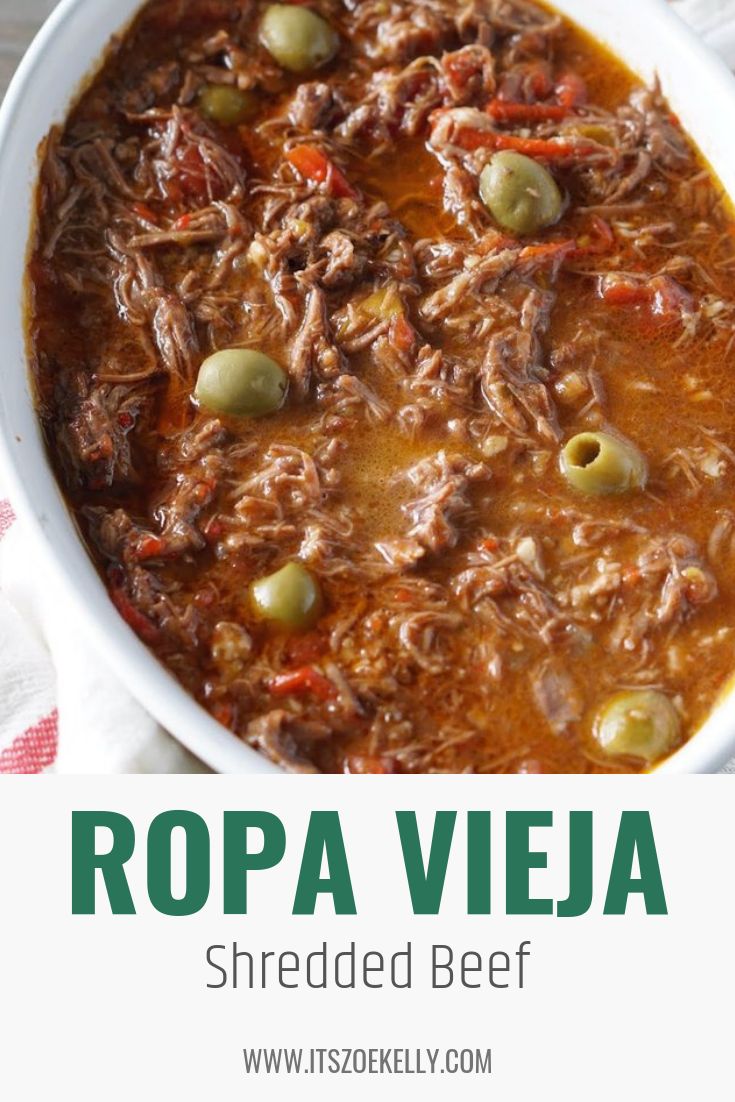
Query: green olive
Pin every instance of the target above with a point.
(292, 597)
(520, 193)
(297, 37)
(225, 104)
(242, 382)
(598, 463)
(642, 724)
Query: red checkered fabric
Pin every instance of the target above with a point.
(33, 749)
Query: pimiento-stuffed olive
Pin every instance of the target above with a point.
(520, 193)
(291, 598)
(641, 724)
(226, 104)
(297, 37)
(242, 382)
(598, 463)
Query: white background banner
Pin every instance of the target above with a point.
(118, 1007)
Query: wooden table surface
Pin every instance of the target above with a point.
(19, 21)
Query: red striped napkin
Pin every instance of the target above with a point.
(29, 721)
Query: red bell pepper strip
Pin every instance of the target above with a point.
(306, 680)
(551, 251)
(571, 91)
(135, 619)
(571, 249)
(621, 293)
(143, 211)
(472, 139)
(666, 298)
(460, 68)
(149, 547)
(314, 165)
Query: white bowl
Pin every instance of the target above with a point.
(645, 34)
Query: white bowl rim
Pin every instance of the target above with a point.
(49, 521)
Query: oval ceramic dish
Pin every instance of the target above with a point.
(648, 36)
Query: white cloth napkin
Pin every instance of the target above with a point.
(715, 21)
(61, 708)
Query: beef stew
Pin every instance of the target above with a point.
(382, 351)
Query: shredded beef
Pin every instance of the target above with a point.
(476, 608)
